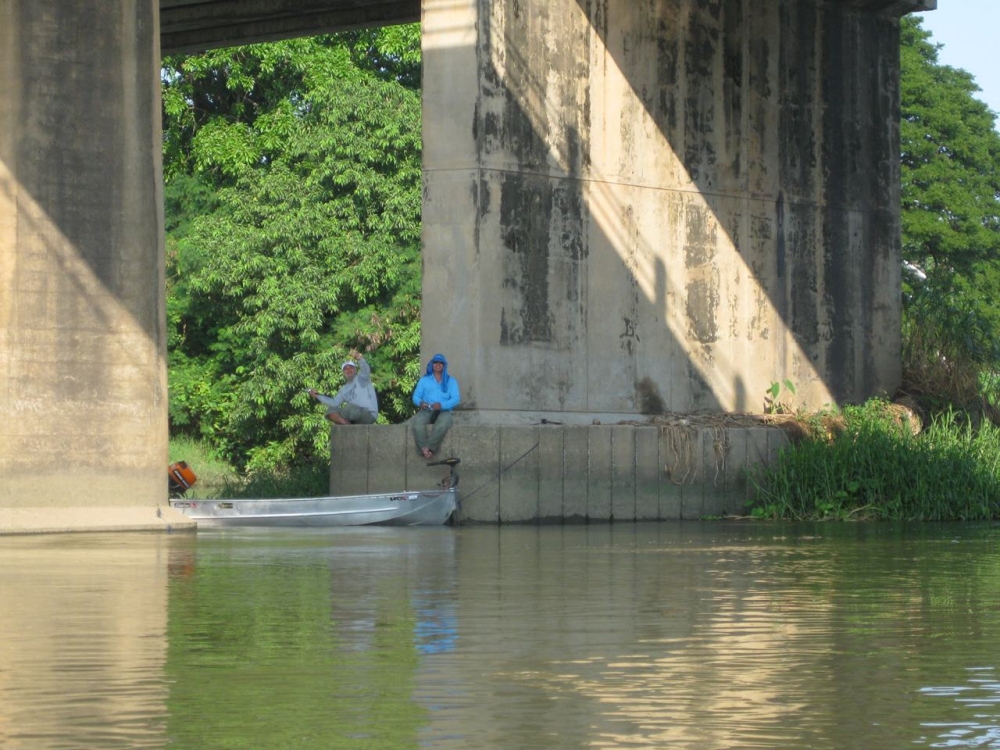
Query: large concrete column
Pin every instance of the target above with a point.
(83, 403)
(639, 206)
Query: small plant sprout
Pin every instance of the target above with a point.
(774, 405)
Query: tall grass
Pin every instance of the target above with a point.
(876, 468)
(311, 480)
(217, 479)
(212, 472)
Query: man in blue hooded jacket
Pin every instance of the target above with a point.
(435, 396)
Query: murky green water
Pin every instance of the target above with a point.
(679, 635)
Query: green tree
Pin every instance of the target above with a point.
(293, 191)
(950, 224)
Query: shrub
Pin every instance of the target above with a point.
(877, 468)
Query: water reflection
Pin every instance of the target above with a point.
(312, 641)
(663, 635)
(82, 641)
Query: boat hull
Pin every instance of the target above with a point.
(422, 508)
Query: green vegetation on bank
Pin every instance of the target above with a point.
(873, 462)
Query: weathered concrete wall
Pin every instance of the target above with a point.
(83, 409)
(598, 473)
(639, 206)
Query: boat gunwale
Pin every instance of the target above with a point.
(194, 502)
(280, 510)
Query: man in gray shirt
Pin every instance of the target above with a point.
(355, 402)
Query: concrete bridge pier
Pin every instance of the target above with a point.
(643, 206)
(83, 398)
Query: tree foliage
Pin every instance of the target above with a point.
(950, 222)
(292, 174)
(950, 169)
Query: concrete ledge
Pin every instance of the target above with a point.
(91, 519)
(565, 473)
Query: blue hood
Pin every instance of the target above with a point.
(445, 377)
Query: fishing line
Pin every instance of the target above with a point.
(499, 473)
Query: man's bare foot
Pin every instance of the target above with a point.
(428, 453)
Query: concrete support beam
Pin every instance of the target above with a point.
(83, 399)
(644, 206)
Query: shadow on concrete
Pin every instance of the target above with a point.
(791, 141)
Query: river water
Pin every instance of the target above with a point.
(668, 635)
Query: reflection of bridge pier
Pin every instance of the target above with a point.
(630, 206)
(542, 609)
(83, 640)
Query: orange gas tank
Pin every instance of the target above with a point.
(181, 477)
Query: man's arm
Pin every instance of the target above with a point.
(324, 399)
(364, 375)
(418, 393)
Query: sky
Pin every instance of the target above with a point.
(968, 30)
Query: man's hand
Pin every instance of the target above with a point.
(313, 392)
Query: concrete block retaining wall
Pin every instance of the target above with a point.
(532, 473)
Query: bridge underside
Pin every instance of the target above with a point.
(196, 25)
